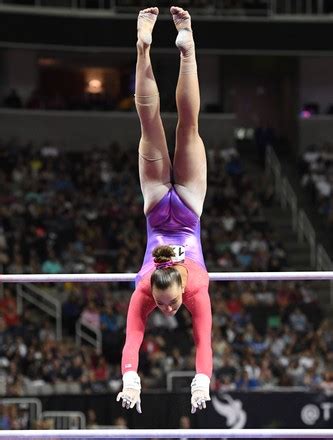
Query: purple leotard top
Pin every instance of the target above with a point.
(172, 222)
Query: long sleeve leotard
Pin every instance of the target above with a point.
(172, 222)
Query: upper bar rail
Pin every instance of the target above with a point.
(123, 277)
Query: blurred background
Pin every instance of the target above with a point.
(70, 202)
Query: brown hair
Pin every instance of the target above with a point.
(164, 277)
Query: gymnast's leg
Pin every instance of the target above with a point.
(189, 167)
(154, 160)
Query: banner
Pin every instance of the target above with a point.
(253, 409)
(268, 410)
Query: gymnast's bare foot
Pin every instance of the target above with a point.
(184, 40)
(146, 21)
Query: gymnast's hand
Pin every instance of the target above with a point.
(130, 394)
(200, 392)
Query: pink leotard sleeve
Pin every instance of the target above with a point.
(196, 299)
(141, 305)
(200, 308)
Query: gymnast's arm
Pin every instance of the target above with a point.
(200, 308)
(141, 305)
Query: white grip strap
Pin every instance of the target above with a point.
(200, 392)
(200, 382)
(131, 379)
(130, 395)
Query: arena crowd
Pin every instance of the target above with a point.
(69, 212)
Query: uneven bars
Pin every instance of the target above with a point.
(116, 277)
(167, 433)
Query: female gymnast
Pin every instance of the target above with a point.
(173, 270)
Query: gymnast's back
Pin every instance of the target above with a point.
(171, 222)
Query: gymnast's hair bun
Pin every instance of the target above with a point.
(163, 254)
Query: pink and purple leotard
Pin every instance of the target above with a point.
(172, 222)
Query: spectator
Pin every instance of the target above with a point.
(296, 372)
(91, 315)
(51, 264)
(12, 100)
(327, 382)
(244, 382)
(92, 419)
(298, 321)
(4, 418)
